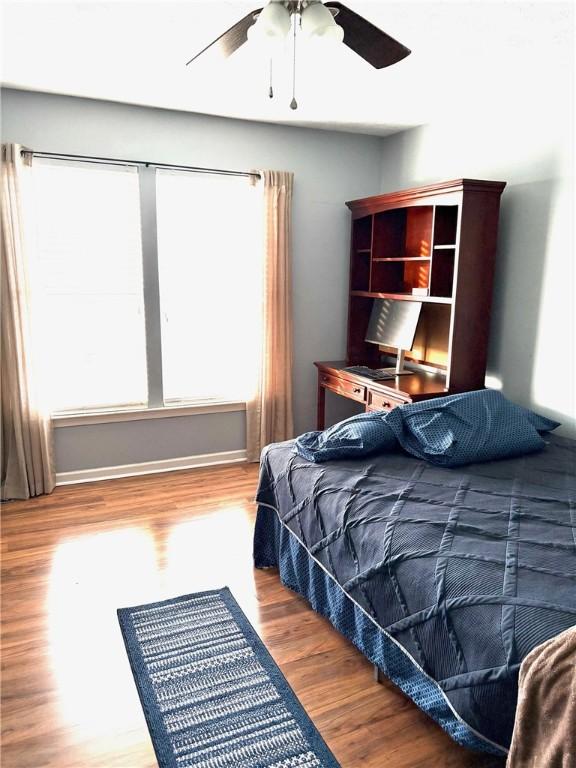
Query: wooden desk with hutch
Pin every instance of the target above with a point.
(434, 244)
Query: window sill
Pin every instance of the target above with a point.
(141, 414)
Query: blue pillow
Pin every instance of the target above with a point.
(356, 436)
(471, 427)
(540, 423)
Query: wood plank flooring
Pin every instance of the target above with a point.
(69, 560)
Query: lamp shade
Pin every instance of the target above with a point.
(317, 21)
(272, 24)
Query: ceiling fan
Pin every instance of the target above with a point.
(332, 21)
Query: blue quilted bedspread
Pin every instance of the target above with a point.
(464, 570)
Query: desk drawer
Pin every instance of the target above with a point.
(344, 387)
(379, 401)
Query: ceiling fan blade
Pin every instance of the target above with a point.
(375, 46)
(231, 40)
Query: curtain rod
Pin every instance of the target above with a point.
(146, 163)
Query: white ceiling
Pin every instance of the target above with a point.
(471, 56)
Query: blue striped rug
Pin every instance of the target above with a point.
(212, 694)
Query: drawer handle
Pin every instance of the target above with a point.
(357, 390)
(386, 404)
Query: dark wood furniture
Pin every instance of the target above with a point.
(374, 395)
(434, 244)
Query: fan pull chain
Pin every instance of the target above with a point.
(294, 103)
(271, 89)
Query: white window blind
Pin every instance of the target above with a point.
(88, 271)
(210, 271)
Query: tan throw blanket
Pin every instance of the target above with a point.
(545, 726)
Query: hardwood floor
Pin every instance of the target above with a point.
(70, 559)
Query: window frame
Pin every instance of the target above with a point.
(81, 418)
(156, 407)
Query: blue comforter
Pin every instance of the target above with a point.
(446, 578)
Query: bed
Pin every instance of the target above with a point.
(444, 578)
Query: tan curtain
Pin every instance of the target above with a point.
(26, 435)
(269, 413)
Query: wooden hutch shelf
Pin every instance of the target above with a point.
(436, 245)
(405, 258)
(403, 297)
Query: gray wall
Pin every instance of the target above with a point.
(533, 329)
(329, 168)
(532, 340)
(110, 445)
(515, 122)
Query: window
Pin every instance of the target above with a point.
(111, 338)
(88, 263)
(208, 258)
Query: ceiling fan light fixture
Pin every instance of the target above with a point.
(272, 24)
(268, 27)
(318, 22)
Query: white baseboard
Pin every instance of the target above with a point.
(150, 467)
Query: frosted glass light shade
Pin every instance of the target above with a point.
(317, 21)
(273, 24)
